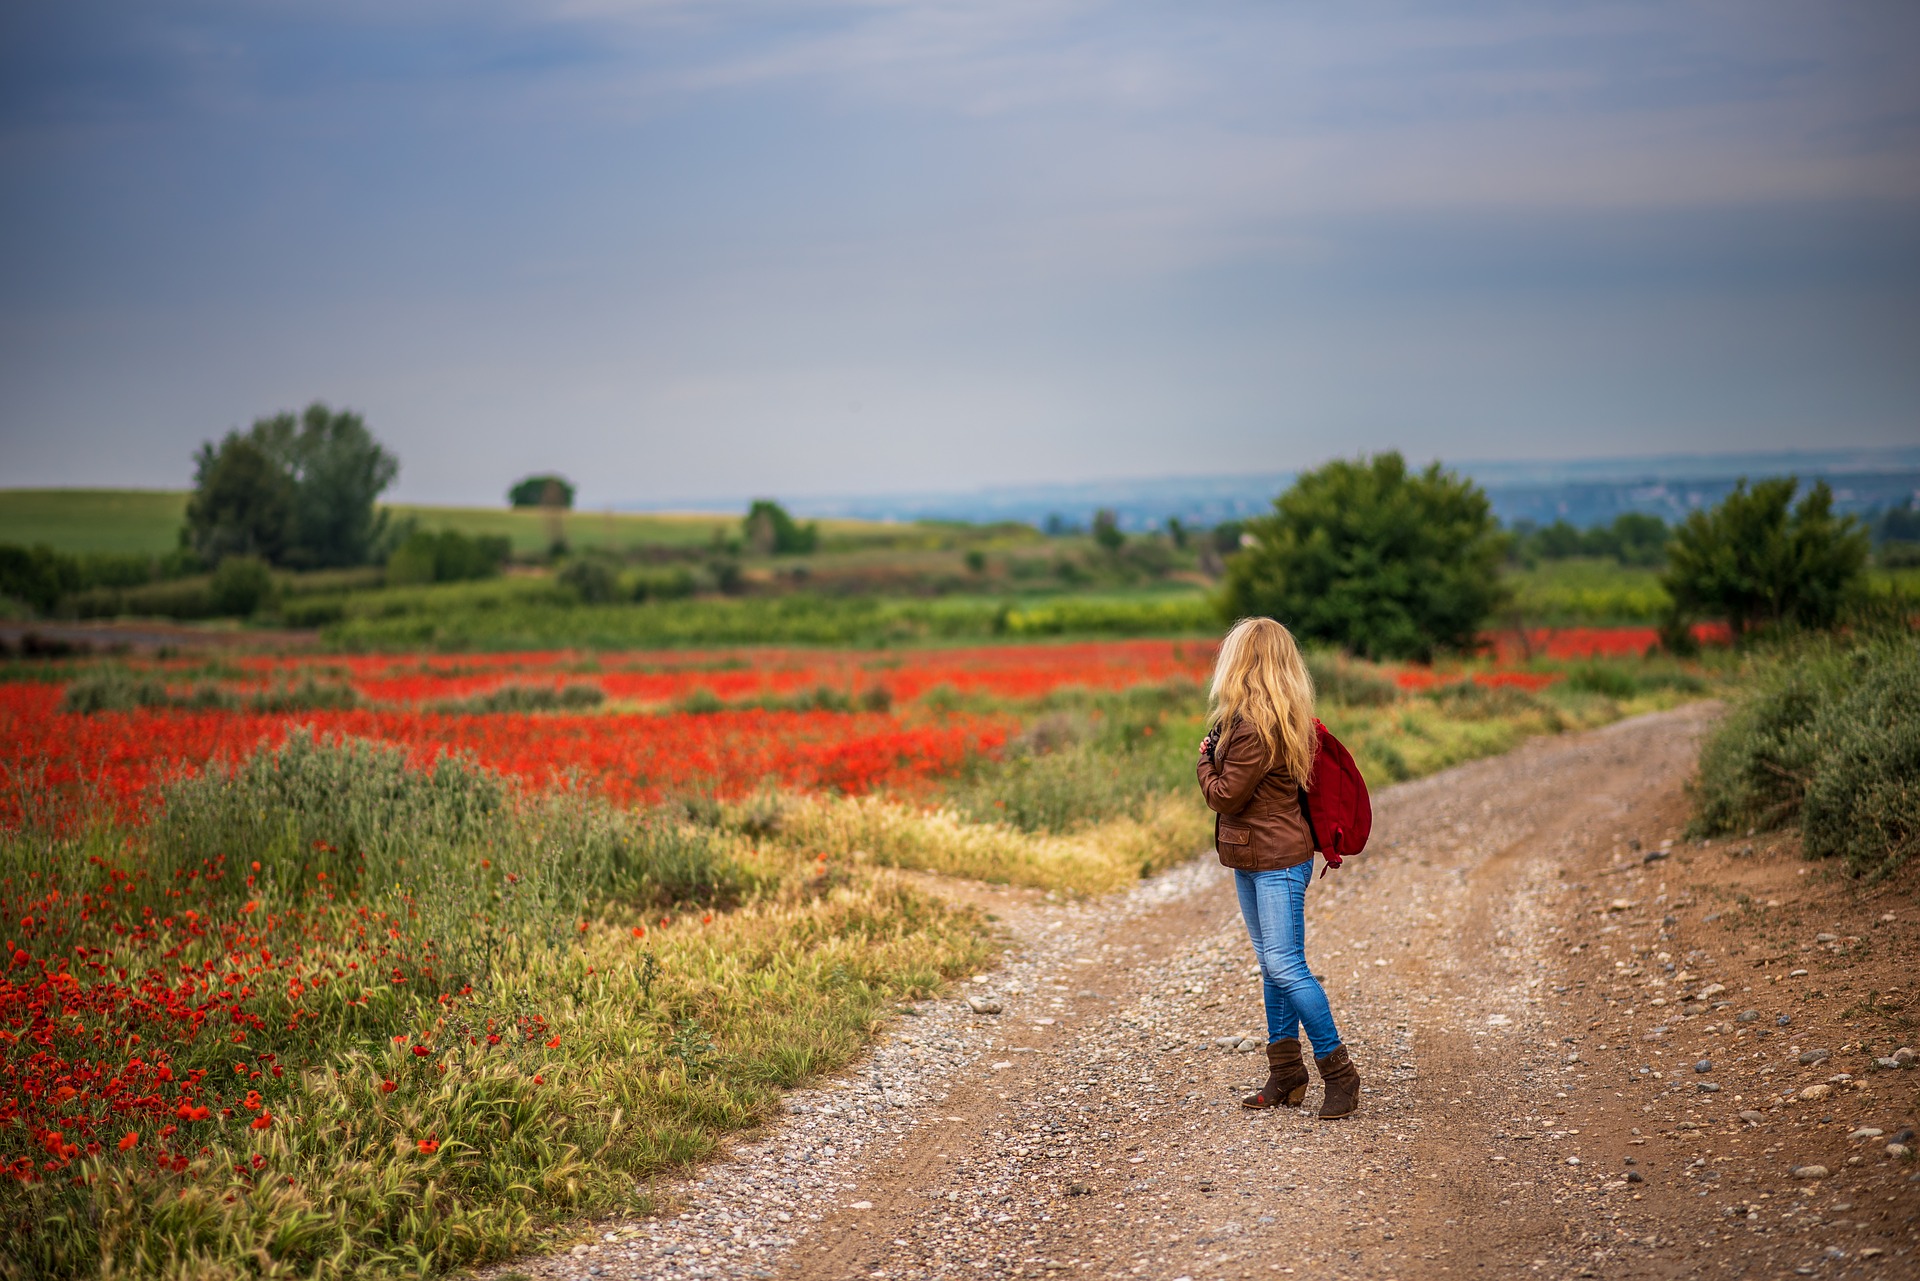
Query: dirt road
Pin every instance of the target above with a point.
(1519, 989)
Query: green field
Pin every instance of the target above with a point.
(147, 521)
(136, 521)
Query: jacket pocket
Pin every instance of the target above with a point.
(1230, 835)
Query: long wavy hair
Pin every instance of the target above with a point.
(1261, 679)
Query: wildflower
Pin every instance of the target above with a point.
(429, 1146)
(421, 1051)
(538, 1079)
(388, 1087)
(639, 931)
(253, 905)
(554, 1044)
(130, 1141)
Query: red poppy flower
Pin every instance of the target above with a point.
(429, 1146)
(130, 1141)
(263, 1121)
(388, 1087)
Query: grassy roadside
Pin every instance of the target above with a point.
(431, 1018)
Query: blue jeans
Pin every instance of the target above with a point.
(1274, 905)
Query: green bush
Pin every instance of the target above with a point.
(240, 586)
(1373, 559)
(1829, 739)
(446, 556)
(593, 580)
(115, 689)
(520, 696)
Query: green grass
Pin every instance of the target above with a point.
(536, 613)
(138, 521)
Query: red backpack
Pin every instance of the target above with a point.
(1341, 815)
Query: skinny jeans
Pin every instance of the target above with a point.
(1274, 907)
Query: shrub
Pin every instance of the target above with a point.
(1830, 739)
(240, 586)
(592, 579)
(115, 689)
(1755, 560)
(1374, 559)
(446, 556)
(520, 696)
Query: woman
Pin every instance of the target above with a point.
(1258, 751)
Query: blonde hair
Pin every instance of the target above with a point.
(1261, 679)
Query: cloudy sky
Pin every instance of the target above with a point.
(700, 247)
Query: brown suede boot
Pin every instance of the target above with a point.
(1286, 1077)
(1342, 1080)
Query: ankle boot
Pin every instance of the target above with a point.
(1286, 1077)
(1342, 1080)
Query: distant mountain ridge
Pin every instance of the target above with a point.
(1583, 492)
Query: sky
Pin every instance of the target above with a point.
(679, 248)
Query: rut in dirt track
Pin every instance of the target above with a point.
(1093, 1128)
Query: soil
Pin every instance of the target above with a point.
(1582, 1039)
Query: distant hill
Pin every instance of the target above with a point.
(1583, 491)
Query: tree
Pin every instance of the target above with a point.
(771, 531)
(545, 490)
(293, 490)
(1107, 531)
(1758, 558)
(242, 503)
(1382, 562)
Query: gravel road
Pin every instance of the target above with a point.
(1092, 1127)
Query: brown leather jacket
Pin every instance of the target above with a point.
(1258, 826)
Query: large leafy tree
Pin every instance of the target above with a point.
(1367, 555)
(295, 490)
(1761, 559)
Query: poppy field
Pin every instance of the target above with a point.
(325, 965)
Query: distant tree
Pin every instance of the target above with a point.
(297, 491)
(1107, 532)
(1177, 531)
(547, 490)
(1638, 538)
(770, 531)
(1759, 558)
(1382, 562)
(242, 503)
(1226, 536)
(38, 576)
(1899, 524)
